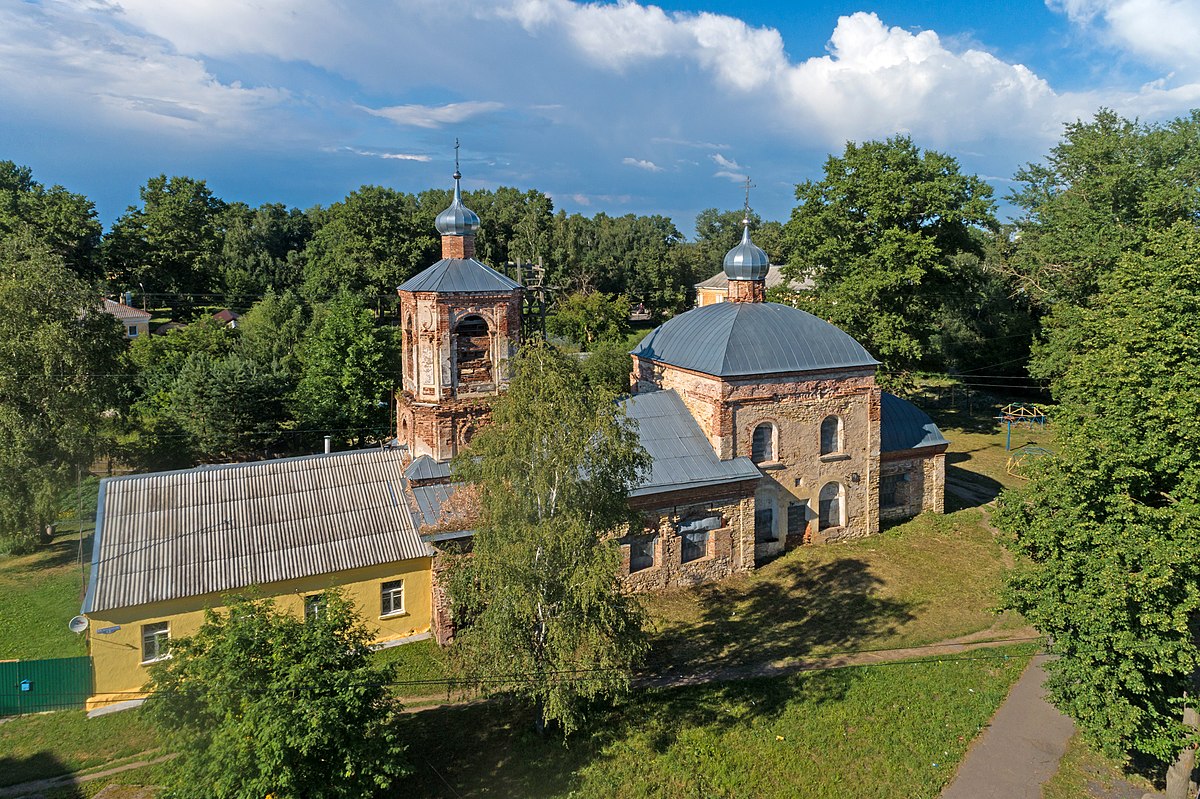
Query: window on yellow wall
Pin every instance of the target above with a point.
(156, 641)
(391, 598)
(314, 607)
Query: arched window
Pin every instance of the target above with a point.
(409, 354)
(832, 510)
(762, 444)
(473, 350)
(831, 435)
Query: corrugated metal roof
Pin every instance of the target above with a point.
(728, 339)
(774, 278)
(221, 528)
(683, 457)
(123, 311)
(426, 468)
(903, 425)
(461, 275)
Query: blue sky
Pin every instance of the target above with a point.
(618, 107)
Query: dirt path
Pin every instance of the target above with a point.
(28, 790)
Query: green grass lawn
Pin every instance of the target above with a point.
(932, 578)
(39, 594)
(51, 744)
(874, 731)
(1083, 773)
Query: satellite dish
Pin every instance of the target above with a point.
(78, 624)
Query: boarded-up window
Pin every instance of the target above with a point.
(891, 490)
(764, 522)
(831, 435)
(473, 351)
(797, 520)
(831, 506)
(695, 546)
(762, 445)
(641, 552)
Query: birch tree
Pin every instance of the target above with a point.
(542, 610)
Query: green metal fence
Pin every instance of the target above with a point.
(32, 686)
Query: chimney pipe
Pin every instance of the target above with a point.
(328, 444)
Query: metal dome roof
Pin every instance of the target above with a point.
(458, 219)
(746, 261)
(462, 276)
(728, 339)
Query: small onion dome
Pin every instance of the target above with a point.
(458, 219)
(746, 261)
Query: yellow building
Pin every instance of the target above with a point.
(170, 544)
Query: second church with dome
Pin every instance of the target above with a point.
(764, 423)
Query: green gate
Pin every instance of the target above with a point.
(32, 686)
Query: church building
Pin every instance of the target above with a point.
(764, 424)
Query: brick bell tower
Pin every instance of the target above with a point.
(461, 323)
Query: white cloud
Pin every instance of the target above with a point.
(433, 116)
(388, 156)
(728, 168)
(649, 166)
(77, 59)
(1157, 31)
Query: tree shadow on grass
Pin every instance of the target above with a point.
(16, 770)
(800, 607)
(491, 750)
(966, 488)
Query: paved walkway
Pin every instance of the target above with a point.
(1020, 749)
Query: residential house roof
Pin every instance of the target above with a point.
(215, 529)
(774, 279)
(682, 455)
(124, 312)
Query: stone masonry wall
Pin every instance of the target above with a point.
(730, 548)
(729, 410)
(925, 486)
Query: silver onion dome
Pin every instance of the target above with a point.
(458, 219)
(746, 261)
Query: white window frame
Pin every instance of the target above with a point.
(314, 607)
(387, 597)
(161, 636)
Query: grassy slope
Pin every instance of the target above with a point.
(932, 578)
(50, 744)
(892, 730)
(39, 593)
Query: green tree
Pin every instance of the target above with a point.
(1104, 190)
(879, 234)
(273, 329)
(59, 373)
(589, 318)
(64, 221)
(262, 250)
(348, 371)
(261, 703)
(370, 242)
(1110, 526)
(170, 246)
(608, 366)
(546, 615)
(226, 408)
